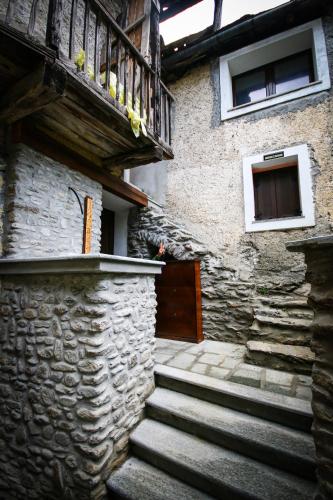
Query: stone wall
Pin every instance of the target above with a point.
(75, 369)
(231, 305)
(43, 216)
(319, 259)
(204, 193)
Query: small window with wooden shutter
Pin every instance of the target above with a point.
(276, 192)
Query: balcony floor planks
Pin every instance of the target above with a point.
(83, 120)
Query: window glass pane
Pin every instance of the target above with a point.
(292, 73)
(250, 87)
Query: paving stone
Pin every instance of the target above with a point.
(247, 375)
(279, 389)
(232, 350)
(303, 392)
(304, 380)
(162, 358)
(216, 372)
(199, 368)
(276, 377)
(182, 360)
(230, 362)
(211, 359)
(195, 349)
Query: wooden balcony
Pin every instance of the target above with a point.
(73, 79)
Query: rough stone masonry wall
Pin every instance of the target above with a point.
(319, 259)
(204, 193)
(75, 370)
(43, 216)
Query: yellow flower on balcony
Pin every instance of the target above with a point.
(79, 59)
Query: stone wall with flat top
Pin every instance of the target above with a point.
(43, 215)
(75, 370)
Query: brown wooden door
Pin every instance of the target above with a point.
(178, 292)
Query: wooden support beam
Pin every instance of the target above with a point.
(142, 156)
(32, 93)
(87, 227)
(24, 133)
(217, 15)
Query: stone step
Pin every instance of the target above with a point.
(293, 358)
(138, 480)
(264, 441)
(285, 410)
(285, 302)
(279, 335)
(302, 324)
(219, 472)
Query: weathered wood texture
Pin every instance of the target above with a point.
(178, 290)
(33, 92)
(87, 226)
(27, 134)
(170, 8)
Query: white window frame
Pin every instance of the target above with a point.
(252, 53)
(307, 218)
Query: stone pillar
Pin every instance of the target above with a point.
(76, 366)
(319, 259)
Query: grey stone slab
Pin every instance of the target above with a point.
(174, 345)
(195, 349)
(182, 360)
(90, 263)
(279, 389)
(162, 358)
(226, 348)
(304, 380)
(246, 377)
(290, 411)
(268, 442)
(199, 368)
(304, 392)
(217, 372)
(276, 377)
(211, 468)
(230, 363)
(137, 479)
(211, 359)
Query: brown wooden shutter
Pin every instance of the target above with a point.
(276, 193)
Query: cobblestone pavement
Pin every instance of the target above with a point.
(226, 361)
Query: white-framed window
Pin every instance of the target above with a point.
(278, 190)
(281, 68)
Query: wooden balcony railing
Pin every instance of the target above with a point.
(85, 35)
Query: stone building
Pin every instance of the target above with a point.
(253, 115)
(89, 188)
(80, 84)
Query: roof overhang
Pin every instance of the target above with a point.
(195, 50)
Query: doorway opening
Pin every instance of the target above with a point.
(179, 309)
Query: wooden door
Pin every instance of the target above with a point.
(107, 231)
(178, 290)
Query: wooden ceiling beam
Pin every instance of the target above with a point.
(136, 158)
(170, 8)
(33, 92)
(27, 134)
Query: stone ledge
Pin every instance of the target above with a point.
(80, 264)
(316, 242)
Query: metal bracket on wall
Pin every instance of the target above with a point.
(78, 198)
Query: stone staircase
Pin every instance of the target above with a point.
(280, 335)
(206, 438)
